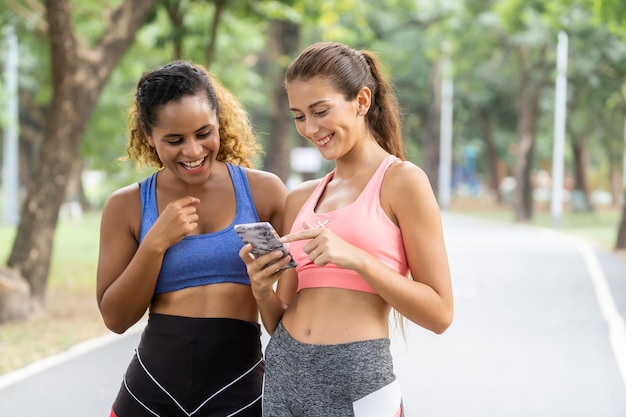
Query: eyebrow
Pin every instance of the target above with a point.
(311, 105)
(174, 135)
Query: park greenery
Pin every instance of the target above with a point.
(79, 61)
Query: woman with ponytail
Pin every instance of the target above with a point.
(367, 238)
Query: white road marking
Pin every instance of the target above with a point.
(615, 322)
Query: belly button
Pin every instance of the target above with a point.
(307, 332)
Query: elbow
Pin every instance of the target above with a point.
(441, 328)
(116, 319)
(116, 326)
(444, 322)
(115, 322)
(445, 316)
(118, 329)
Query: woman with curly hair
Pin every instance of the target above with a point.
(167, 246)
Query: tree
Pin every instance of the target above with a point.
(78, 72)
(283, 42)
(486, 114)
(596, 103)
(530, 42)
(613, 12)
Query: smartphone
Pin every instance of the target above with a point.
(264, 239)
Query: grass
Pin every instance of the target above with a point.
(71, 315)
(599, 227)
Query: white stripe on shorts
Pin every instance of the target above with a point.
(386, 402)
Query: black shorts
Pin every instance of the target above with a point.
(203, 367)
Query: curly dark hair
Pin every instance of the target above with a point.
(173, 81)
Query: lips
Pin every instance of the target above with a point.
(324, 140)
(191, 165)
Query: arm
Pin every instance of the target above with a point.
(274, 290)
(263, 280)
(127, 272)
(426, 299)
(268, 193)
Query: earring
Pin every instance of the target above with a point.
(359, 114)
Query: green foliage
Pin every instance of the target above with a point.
(33, 53)
(90, 18)
(105, 140)
(277, 10)
(613, 14)
(484, 39)
(517, 15)
(596, 107)
(488, 40)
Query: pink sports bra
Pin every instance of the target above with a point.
(362, 223)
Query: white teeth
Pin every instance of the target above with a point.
(194, 164)
(325, 140)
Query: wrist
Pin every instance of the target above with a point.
(263, 295)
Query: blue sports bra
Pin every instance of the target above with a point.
(207, 258)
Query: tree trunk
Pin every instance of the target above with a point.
(432, 131)
(526, 132)
(176, 16)
(282, 43)
(533, 76)
(217, 18)
(32, 125)
(492, 156)
(620, 244)
(15, 302)
(78, 77)
(74, 192)
(616, 182)
(581, 202)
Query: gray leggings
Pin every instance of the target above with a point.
(339, 380)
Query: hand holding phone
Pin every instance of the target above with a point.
(264, 239)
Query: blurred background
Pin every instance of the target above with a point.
(516, 109)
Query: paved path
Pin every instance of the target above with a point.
(538, 331)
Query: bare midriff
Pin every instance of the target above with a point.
(332, 316)
(226, 300)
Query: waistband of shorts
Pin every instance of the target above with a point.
(214, 325)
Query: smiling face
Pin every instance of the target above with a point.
(186, 138)
(324, 117)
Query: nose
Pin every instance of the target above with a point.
(193, 148)
(310, 127)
